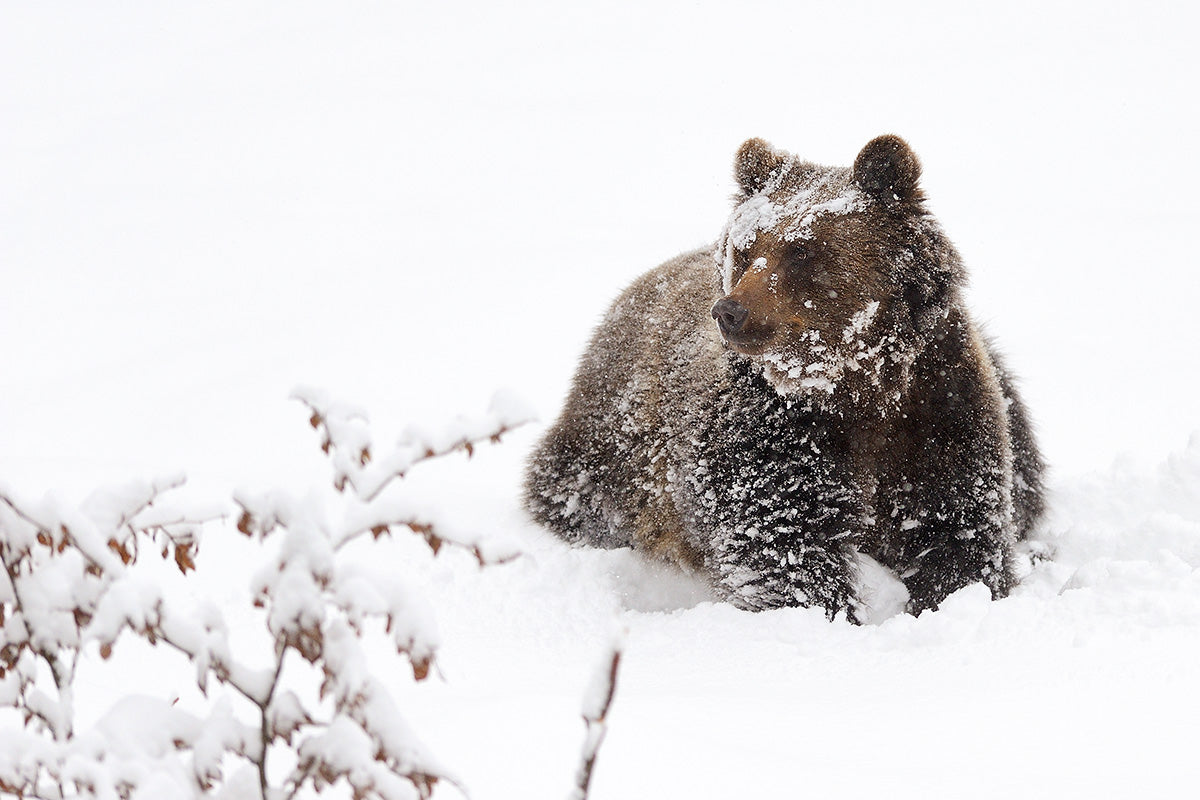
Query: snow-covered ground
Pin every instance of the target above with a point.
(413, 205)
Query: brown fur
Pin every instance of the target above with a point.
(848, 404)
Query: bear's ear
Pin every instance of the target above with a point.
(888, 170)
(754, 163)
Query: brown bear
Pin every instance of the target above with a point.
(810, 390)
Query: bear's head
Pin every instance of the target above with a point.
(834, 279)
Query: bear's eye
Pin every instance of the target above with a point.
(800, 254)
(741, 261)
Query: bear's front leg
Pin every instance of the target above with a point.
(786, 540)
(949, 474)
(758, 570)
(955, 530)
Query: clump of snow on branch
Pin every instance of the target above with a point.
(72, 576)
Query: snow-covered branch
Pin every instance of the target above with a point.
(64, 570)
(346, 439)
(72, 575)
(596, 704)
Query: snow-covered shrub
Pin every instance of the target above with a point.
(74, 576)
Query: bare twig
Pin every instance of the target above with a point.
(594, 716)
(466, 445)
(298, 780)
(222, 671)
(407, 454)
(264, 729)
(16, 509)
(429, 533)
(155, 491)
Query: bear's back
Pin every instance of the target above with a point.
(655, 342)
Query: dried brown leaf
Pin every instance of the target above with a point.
(11, 788)
(183, 558)
(424, 783)
(10, 653)
(426, 531)
(327, 773)
(120, 550)
(82, 618)
(106, 650)
(434, 542)
(308, 642)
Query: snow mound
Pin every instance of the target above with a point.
(1077, 680)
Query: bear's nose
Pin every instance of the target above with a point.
(730, 315)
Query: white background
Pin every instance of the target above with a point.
(413, 204)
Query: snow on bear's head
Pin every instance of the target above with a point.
(832, 276)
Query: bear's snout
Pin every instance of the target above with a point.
(730, 315)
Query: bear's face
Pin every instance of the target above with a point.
(827, 271)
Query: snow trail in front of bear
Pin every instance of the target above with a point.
(1082, 679)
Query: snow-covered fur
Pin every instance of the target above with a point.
(842, 403)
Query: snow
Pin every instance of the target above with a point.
(816, 366)
(205, 205)
(816, 197)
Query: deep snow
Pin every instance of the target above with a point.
(413, 206)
